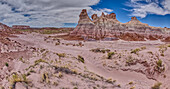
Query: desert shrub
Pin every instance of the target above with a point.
(64, 69)
(135, 51)
(99, 50)
(119, 85)
(162, 54)
(40, 60)
(130, 61)
(60, 55)
(6, 64)
(144, 47)
(132, 87)
(150, 52)
(57, 43)
(162, 48)
(157, 86)
(130, 83)
(22, 60)
(32, 71)
(105, 50)
(17, 78)
(42, 50)
(75, 88)
(159, 67)
(80, 44)
(45, 78)
(109, 80)
(95, 50)
(55, 83)
(169, 45)
(60, 75)
(159, 63)
(80, 58)
(110, 54)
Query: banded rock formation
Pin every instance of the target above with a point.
(107, 26)
(20, 27)
(4, 28)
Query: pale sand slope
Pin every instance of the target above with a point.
(94, 61)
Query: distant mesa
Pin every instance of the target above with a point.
(107, 26)
(20, 27)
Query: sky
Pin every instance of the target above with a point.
(65, 13)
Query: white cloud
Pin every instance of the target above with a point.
(141, 8)
(99, 11)
(45, 12)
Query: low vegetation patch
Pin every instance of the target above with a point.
(130, 83)
(80, 58)
(80, 44)
(99, 50)
(159, 67)
(40, 60)
(150, 52)
(57, 43)
(110, 54)
(162, 48)
(42, 50)
(17, 78)
(169, 45)
(157, 86)
(130, 61)
(45, 31)
(22, 60)
(6, 64)
(135, 51)
(132, 87)
(61, 55)
(144, 47)
(45, 78)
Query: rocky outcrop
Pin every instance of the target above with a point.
(107, 26)
(4, 28)
(84, 18)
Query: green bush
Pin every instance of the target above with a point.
(80, 58)
(110, 54)
(135, 51)
(14, 78)
(99, 50)
(150, 52)
(144, 47)
(159, 67)
(40, 60)
(157, 86)
(61, 55)
(169, 45)
(162, 48)
(130, 61)
(57, 43)
(159, 63)
(6, 64)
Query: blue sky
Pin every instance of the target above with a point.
(65, 13)
(122, 10)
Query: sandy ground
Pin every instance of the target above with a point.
(128, 77)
